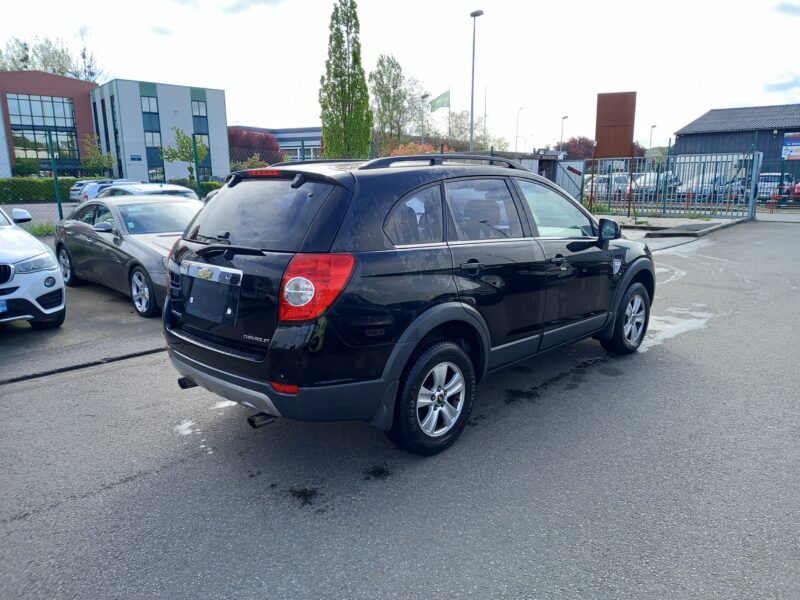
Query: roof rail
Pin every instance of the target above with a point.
(318, 161)
(438, 159)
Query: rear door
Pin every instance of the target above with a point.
(498, 269)
(225, 285)
(580, 286)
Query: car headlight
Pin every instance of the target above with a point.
(42, 262)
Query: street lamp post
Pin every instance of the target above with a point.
(651, 136)
(424, 97)
(516, 132)
(561, 142)
(474, 14)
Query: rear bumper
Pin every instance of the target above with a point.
(363, 401)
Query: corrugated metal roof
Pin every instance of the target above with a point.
(751, 118)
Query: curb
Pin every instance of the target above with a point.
(697, 234)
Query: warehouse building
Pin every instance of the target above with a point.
(773, 130)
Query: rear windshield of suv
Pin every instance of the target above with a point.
(266, 214)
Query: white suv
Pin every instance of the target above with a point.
(31, 286)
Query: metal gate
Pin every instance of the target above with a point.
(689, 185)
(569, 175)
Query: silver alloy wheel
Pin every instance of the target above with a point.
(635, 314)
(440, 399)
(63, 262)
(140, 292)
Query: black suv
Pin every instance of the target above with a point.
(383, 291)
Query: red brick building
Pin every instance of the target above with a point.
(34, 106)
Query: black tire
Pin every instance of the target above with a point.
(625, 340)
(67, 267)
(144, 303)
(52, 322)
(444, 419)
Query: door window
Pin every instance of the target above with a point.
(482, 209)
(104, 216)
(554, 215)
(85, 215)
(416, 220)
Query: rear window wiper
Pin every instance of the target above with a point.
(230, 250)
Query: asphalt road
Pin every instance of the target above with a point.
(672, 473)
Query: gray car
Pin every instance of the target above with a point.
(121, 243)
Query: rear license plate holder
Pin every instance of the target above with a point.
(213, 292)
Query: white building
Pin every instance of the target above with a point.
(134, 121)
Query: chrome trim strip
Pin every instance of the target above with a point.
(194, 342)
(213, 273)
(21, 317)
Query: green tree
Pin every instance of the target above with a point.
(343, 95)
(183, 151)
(93, 159)
(253, 162)
(51, 56)
(387, 87)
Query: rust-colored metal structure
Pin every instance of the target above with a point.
(616, 115)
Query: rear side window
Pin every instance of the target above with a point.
(265, 214)
(417, 219)
(482, 209)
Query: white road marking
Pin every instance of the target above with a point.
(185, 427)
(223, 404)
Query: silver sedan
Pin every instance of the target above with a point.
(121, 243)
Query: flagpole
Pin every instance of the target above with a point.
(449, 102)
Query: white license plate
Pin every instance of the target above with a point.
(3, 306)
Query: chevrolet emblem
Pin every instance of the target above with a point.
(205, 273)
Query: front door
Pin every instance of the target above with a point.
(498, 270)
(579, 284)
(108, 260)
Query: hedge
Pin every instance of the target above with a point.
(22, 190)
(205, 186)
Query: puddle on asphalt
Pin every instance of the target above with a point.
(665, 327)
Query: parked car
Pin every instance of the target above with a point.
(31, 287)
(77, 187)
(771, 184)
(615, 185)
(363, 291)
(147, 189)
(648, 185)
(121, 243)
(91, 190)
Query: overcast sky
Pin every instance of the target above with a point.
(683, 57)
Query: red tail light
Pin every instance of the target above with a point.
(312, 283)
(264, 173)
(285, 388)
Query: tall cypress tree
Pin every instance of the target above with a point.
(343, 93)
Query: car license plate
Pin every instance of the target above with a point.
(3, 306)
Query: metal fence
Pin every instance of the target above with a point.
(719, 185)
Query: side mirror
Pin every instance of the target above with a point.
(20, 215)
(103, 228)
(609, 230)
